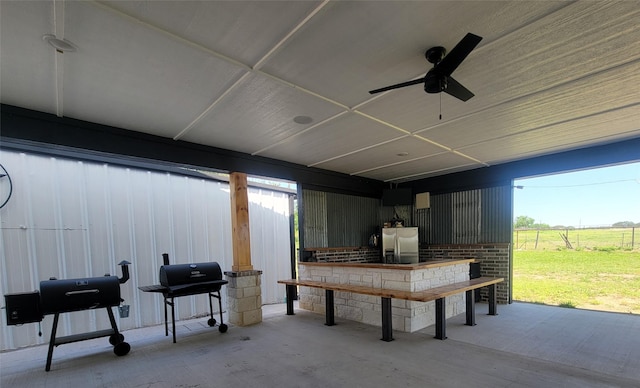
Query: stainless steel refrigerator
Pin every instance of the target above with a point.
(400, 245)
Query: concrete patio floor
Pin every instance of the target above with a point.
(526, 345)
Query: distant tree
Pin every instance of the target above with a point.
(524, 222)
(540, 226)
(624, 224)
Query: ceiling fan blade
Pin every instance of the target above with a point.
(396, 86)
(455, 57)
(455, 89)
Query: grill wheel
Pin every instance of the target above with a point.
(116, 339)
(121, 349)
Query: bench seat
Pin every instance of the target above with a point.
(437, 294)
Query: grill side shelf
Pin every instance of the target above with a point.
(153, 288)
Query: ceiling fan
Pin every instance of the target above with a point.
(439, 79)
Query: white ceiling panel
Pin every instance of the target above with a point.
(338, 137)
(586, 97)
(22, 25)
(402, 150)
(439, 164)
(257, 113)
(544, 54)
(562, 136)
(447, 170)
(230, 28)
(132, 77)
(353, 47)
(580, 39)
(548, 76)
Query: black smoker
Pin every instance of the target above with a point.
(68, 295)
(188, 279)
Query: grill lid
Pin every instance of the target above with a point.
(65, 295)
(176, 275)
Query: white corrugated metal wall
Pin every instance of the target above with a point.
(72, 219)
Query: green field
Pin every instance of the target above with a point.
(601, 279)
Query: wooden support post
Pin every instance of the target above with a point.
(240, 222)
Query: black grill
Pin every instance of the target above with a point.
(62, 296)
(180, 278)
(68, 295)
(188, 279)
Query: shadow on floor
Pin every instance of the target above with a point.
(525, 345)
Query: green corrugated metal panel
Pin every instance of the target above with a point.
(465, 209)
(496, 215)
(468, 217)
(351, 219)
(338, 220)
(315, 219)
(423, 221)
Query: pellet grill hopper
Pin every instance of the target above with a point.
(57, 296)
(188, 279)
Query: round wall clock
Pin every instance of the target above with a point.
(6, 186)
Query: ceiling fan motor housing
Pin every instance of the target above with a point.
(434, 83)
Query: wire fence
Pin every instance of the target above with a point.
(588, 239)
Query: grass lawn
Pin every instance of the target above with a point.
(595, 280)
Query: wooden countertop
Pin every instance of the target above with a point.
(407, 267)
(419, 296)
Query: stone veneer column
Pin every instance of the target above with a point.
(244, 297)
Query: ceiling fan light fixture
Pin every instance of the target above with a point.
(61, 45)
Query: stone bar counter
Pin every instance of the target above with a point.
(408, 316)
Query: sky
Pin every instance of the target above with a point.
(587, 198)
